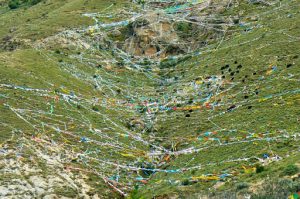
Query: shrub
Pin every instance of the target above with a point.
(274, 188)
(13, 4)
(185, 182)
(183, 27)
(290, 170)
(33, 2)
(242, 185)
(95, 108)
(78, 106)
(259, 168)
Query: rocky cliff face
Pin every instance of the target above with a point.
(157, 34)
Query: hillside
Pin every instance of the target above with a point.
(167, 99)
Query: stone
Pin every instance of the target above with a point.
(38, 181)
(4, 191)
(51, 196)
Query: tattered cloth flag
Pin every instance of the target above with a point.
(51, 108)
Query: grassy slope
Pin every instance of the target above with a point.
(267, 45)
(41, 69)
(255, 50)
(49, 17)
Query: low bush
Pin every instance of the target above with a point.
(290, 170)
(14, 4)
(242, 185)
(259, 168)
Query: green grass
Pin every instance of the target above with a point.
(274, 108)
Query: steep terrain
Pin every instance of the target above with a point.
(171, 99)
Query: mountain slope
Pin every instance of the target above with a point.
(177, 100)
